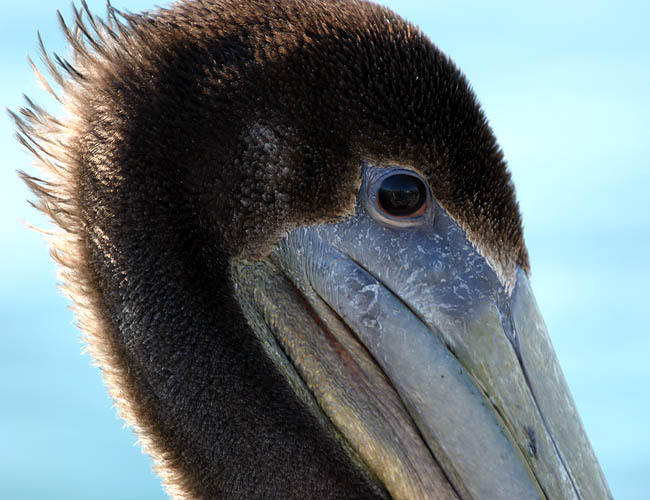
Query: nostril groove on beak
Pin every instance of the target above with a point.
(532, 441)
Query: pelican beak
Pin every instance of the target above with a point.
(468, 356)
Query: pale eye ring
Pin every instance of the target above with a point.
(397, 197)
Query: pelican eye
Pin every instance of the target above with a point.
(396, 197)
(402, 195)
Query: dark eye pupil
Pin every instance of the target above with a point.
(401, 194)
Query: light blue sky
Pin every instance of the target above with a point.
(566, 86)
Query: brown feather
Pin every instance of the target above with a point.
(207, 131)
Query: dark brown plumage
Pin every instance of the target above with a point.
(207, 131)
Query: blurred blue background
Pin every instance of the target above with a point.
(566, 86)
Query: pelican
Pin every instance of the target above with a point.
(294, 249)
